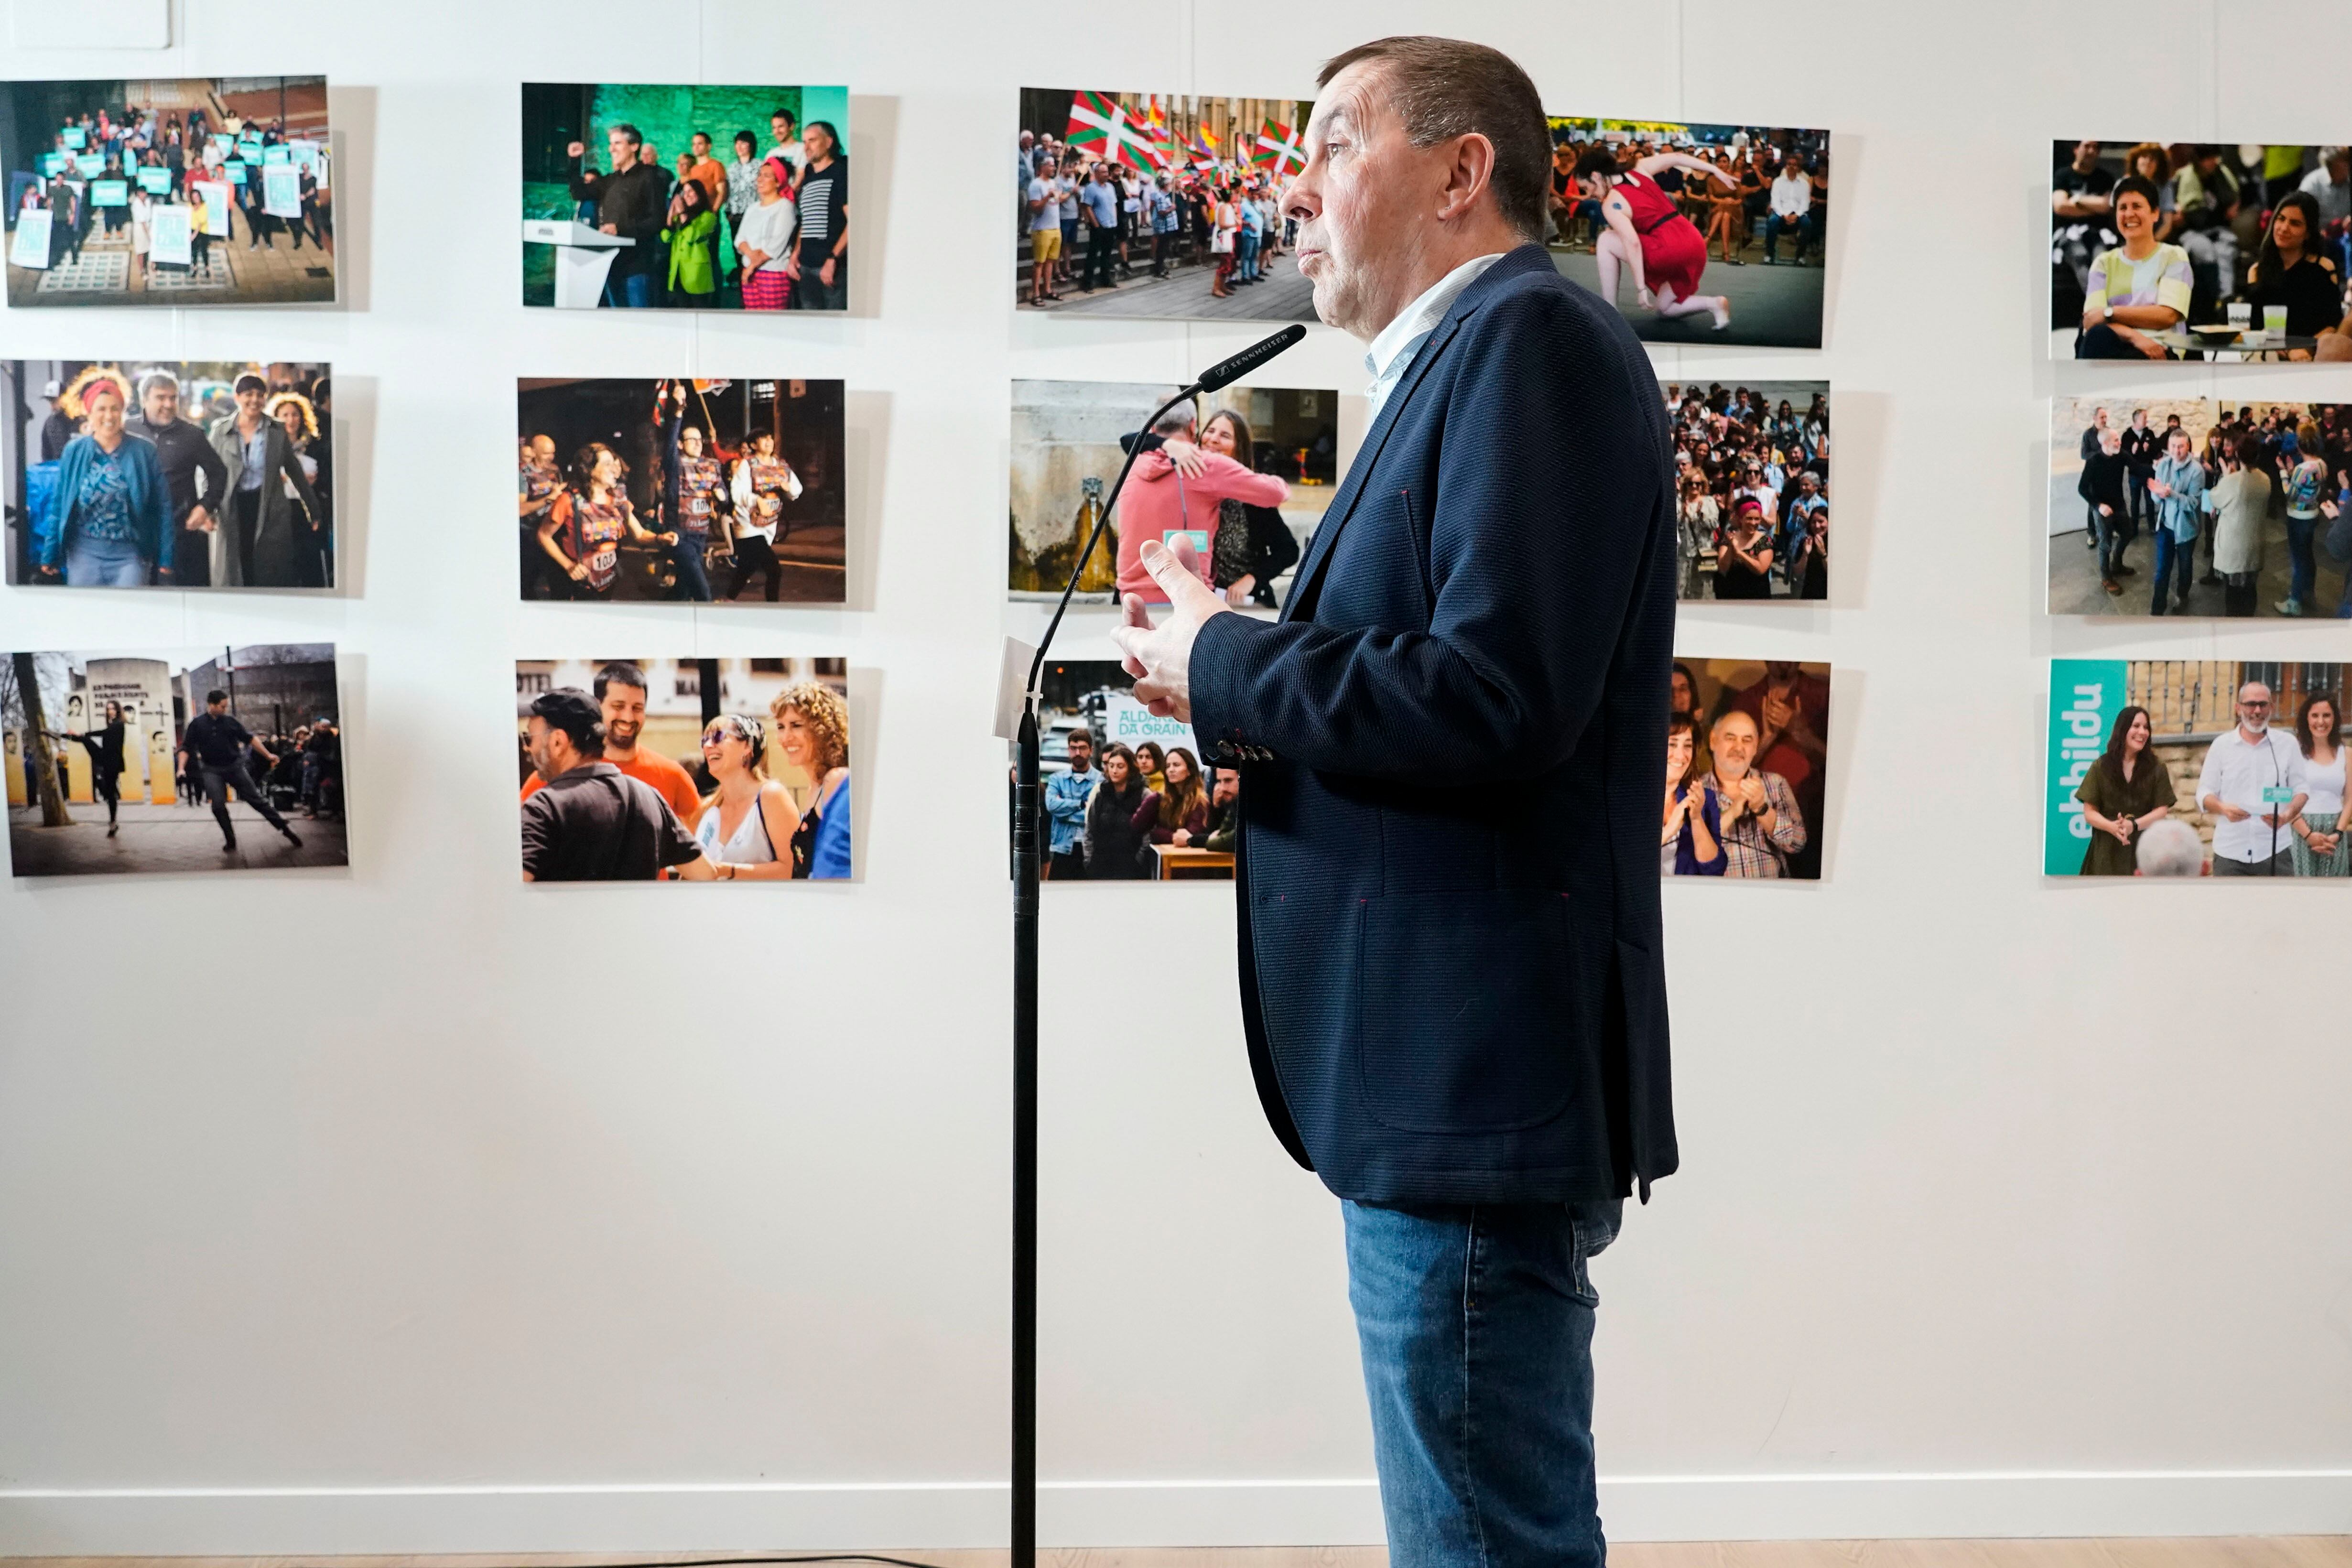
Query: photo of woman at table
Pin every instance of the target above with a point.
(2139, 288)
(1177, 814)
(2124, 793)
(2291, 272)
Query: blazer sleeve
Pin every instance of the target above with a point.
(1548, 488)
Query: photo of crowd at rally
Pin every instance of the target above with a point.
(638, 196)
(151, 762)
(684, 769)
(2185, 767)
(1141, 205)
(1246, 473)
(203, 191)
(1128, 795)
(701, 491)
(1747, 769)
(2185, 250)
(1752, 488)
(168, 474)
(2242, 507)
(1697, 233)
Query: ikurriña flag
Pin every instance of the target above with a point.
(1101, 128)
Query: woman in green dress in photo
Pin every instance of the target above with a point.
(2126, 789)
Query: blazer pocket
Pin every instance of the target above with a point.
(1465, 1009)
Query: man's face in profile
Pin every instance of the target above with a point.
(1362, 199)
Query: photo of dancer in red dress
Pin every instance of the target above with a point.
(1647, 234)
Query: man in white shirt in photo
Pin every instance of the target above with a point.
(2251, 787)
(1792, 209)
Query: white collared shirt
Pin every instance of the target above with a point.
(2238, 770)
(1391, 353)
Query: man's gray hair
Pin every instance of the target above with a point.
(2170, 848)
(1180, 418)
(157, 378)
(1444, 87)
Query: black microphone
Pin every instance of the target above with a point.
(1227, 372)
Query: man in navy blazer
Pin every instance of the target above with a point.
(1451, 960)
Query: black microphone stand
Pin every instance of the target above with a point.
(1028, 813)
(1028, 816)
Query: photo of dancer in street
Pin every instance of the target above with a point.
(181, 750)
(2177, 251)
(1640, 210)
(1146, 205)
(747, 758)
(1752, 488)
(653, 196)
(2189, 506)
(694, 490)
(118, 189)
(1245, 473)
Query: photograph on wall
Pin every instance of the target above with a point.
(1158, 205)
(638, 196)
(1129, 796)
(187, 760)
(2194, 767)
(131, 473)
(703, 491)
(191, 191)
(1245, 473)
(1752, 488)
(683, 769)
(2189, 250)
(1747, 769)
(1697, 233)
(2189, 506)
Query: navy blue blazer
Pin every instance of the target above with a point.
(1452, 965)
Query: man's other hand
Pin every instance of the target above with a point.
(1160, 657)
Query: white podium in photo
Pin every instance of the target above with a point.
(582, 257)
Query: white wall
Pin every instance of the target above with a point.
(502, 1218)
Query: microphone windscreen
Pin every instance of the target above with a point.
(1228, 371)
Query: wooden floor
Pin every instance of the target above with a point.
(2211, 1551)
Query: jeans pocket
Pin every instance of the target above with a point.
(1594, 1223)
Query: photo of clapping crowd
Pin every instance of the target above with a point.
(1246, 473)
(198, 190)
(1129, 795)
(701, 491)
(683, 769)
(154, 762)
(1697, 233)
(2189, 250)
(667, 196)
(2193, 506)
(168, 474)
(1752, 488)
(1153, 205)
(1747, 769)
(2187, 767)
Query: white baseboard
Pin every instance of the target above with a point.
(270, 1522)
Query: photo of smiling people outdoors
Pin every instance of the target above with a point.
(2183, 250)
(1747, 769)
(683, 769)
(662, 196)
(2184, 767)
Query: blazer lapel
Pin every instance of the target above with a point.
(1301, 596)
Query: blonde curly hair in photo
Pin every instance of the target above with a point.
(828, 720)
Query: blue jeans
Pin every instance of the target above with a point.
(1475, 1327)
(1775, 224)
(1247, 264)
(686, 556)
(634, 292)
(2302, 575)
(104, 563)
(2172, 555)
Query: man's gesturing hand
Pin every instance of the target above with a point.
(1160, 657)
